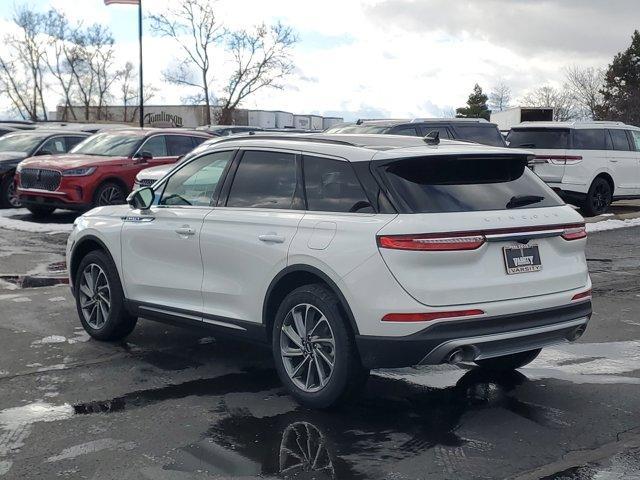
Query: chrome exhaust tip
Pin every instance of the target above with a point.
(577, 333)
(455, 357)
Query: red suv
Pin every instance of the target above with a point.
(99, 171)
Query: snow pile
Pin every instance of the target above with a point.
(21, 219)
(612, 224)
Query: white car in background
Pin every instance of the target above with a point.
(590, 164)
(344, 253)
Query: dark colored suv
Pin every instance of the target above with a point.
(475, 130)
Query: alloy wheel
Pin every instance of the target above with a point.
(111, 195)
(94, 296)
(600, 197)
(307, 347)
(12, 196)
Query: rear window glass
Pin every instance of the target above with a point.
(485, 134)
(589, 139)
(544, 138)
(437, 185)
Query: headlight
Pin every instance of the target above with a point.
(78, 172)
(19, 168)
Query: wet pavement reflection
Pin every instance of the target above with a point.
(396, 420)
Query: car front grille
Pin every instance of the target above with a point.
(146, 182)
(40, 179)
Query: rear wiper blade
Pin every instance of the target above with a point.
(522, 200)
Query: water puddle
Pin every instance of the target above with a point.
(33, 281)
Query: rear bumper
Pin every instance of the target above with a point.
(478, 338)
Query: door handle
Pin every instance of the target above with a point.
(271, 238)
(612, 160)
(186, 230)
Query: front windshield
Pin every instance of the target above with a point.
(109, 144)
(20, 142)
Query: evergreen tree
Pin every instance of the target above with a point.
(621, 91)
(476, 105)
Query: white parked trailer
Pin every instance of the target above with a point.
(513, 116)
(316, 122)
(283, 119)
(302, 122)
(262, 118)
(330, 122)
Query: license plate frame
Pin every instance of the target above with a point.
(522, 259)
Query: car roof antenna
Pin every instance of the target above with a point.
(359, 121)
(432, 138)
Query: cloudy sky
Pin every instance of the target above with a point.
(391, 58)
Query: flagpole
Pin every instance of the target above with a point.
(140, 67)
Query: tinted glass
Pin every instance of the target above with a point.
(409, 131)
(635, 134)
(332, 186)
(545, 138)
(20, 142)
(195, 183)
(485, 134)
(433, 185)
(620, 140)
(73, 141)
(197, 141)
(54, 145)
(156, 146)
(443, 131)
(264, 180)
(109, 144)
(589, 139)
(178, 145)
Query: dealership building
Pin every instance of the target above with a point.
(192, 116)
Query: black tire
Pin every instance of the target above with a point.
(119, 323)
(8, 198)
(40, 212)
(109, 193)
(598, 198)
(509, 362)
(348, 375)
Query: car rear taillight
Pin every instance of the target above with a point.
(582, 296)
(431, 242)
(427, 317)
(558, 159)
(574, 233)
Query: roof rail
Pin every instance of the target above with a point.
(258, 135)
(450, 119)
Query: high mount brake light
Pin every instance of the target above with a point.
(427, 317)
(431, 243)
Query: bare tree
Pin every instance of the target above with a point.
(22, 70)
(561, 100)
(500, 97)
(194, 26)
(585, 84)
(129, 92)
(261, 58)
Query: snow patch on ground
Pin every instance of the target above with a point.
(50, 339)
(19, 219)
(612, 224)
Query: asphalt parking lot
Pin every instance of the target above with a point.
(177, 404)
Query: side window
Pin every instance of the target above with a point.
(264, 180)
(635, 134)
(195, 141)
(620, 140)
(54, 145)
(178, 145)
(443, 131)
(332, 186)
(589, 139)
(156, 146)
(408, 131)
(195, 183)
(73, 141)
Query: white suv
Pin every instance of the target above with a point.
(587, 163)
(345, 253)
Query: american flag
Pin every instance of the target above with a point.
(125, 2)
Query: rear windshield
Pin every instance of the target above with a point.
(485, 134)
(466, 184)
(545, 138)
